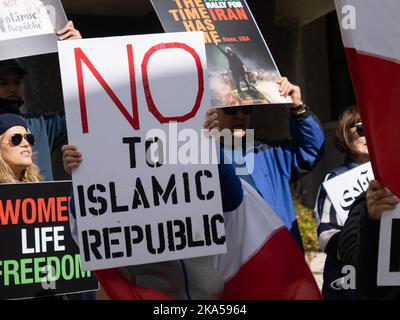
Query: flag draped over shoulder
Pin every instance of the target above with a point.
(262, 262)
(371, 40)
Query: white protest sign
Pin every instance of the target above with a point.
(128, 100)
(27, 27)
(389, 249)
(345, 188)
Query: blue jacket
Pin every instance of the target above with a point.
(275, 167)
(50, 131)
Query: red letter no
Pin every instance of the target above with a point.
(132, 119)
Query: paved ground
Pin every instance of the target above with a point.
(316, 261)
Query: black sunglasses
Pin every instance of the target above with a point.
(234, 110)
(359, 129)
(16, 139)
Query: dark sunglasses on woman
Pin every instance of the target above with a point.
(16, 139)
(360, 129)
(234, 110)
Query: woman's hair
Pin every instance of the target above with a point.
(342, 139)
(30, 174)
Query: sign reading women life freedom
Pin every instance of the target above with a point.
(38, 256)
(241, 69)
(27, 27)
(135, 107)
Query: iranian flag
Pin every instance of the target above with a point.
(371, 37)
(262, 262)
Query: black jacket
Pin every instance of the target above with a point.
(358, 246)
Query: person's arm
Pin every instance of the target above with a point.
(379, 200)
(71, 157)
(306, 147)
(358, 246)
(328, 226)
(231, 187)
(307, 137)
(307, 144)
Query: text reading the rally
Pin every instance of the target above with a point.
(198, 15)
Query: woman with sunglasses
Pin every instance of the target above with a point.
(350, 140)
(16, 163)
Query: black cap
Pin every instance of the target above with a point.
(8, 120)
(11, 64)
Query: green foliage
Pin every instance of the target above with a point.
(307, 226)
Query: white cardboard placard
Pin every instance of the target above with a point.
(102, 78)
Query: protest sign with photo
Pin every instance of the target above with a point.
(344, 189)
(38, 256)
(241, 69)
(389, 249)
(135, 106)
(27, 27)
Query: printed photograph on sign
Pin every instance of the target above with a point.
(136, 201)
(241, 69)
(41, 258)
(344, 189)
(27, 27)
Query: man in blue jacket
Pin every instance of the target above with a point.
(49, 129)
(275, 167)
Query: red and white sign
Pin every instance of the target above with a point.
(131, 210)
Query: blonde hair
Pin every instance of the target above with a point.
(30, 174)
(342, 139)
